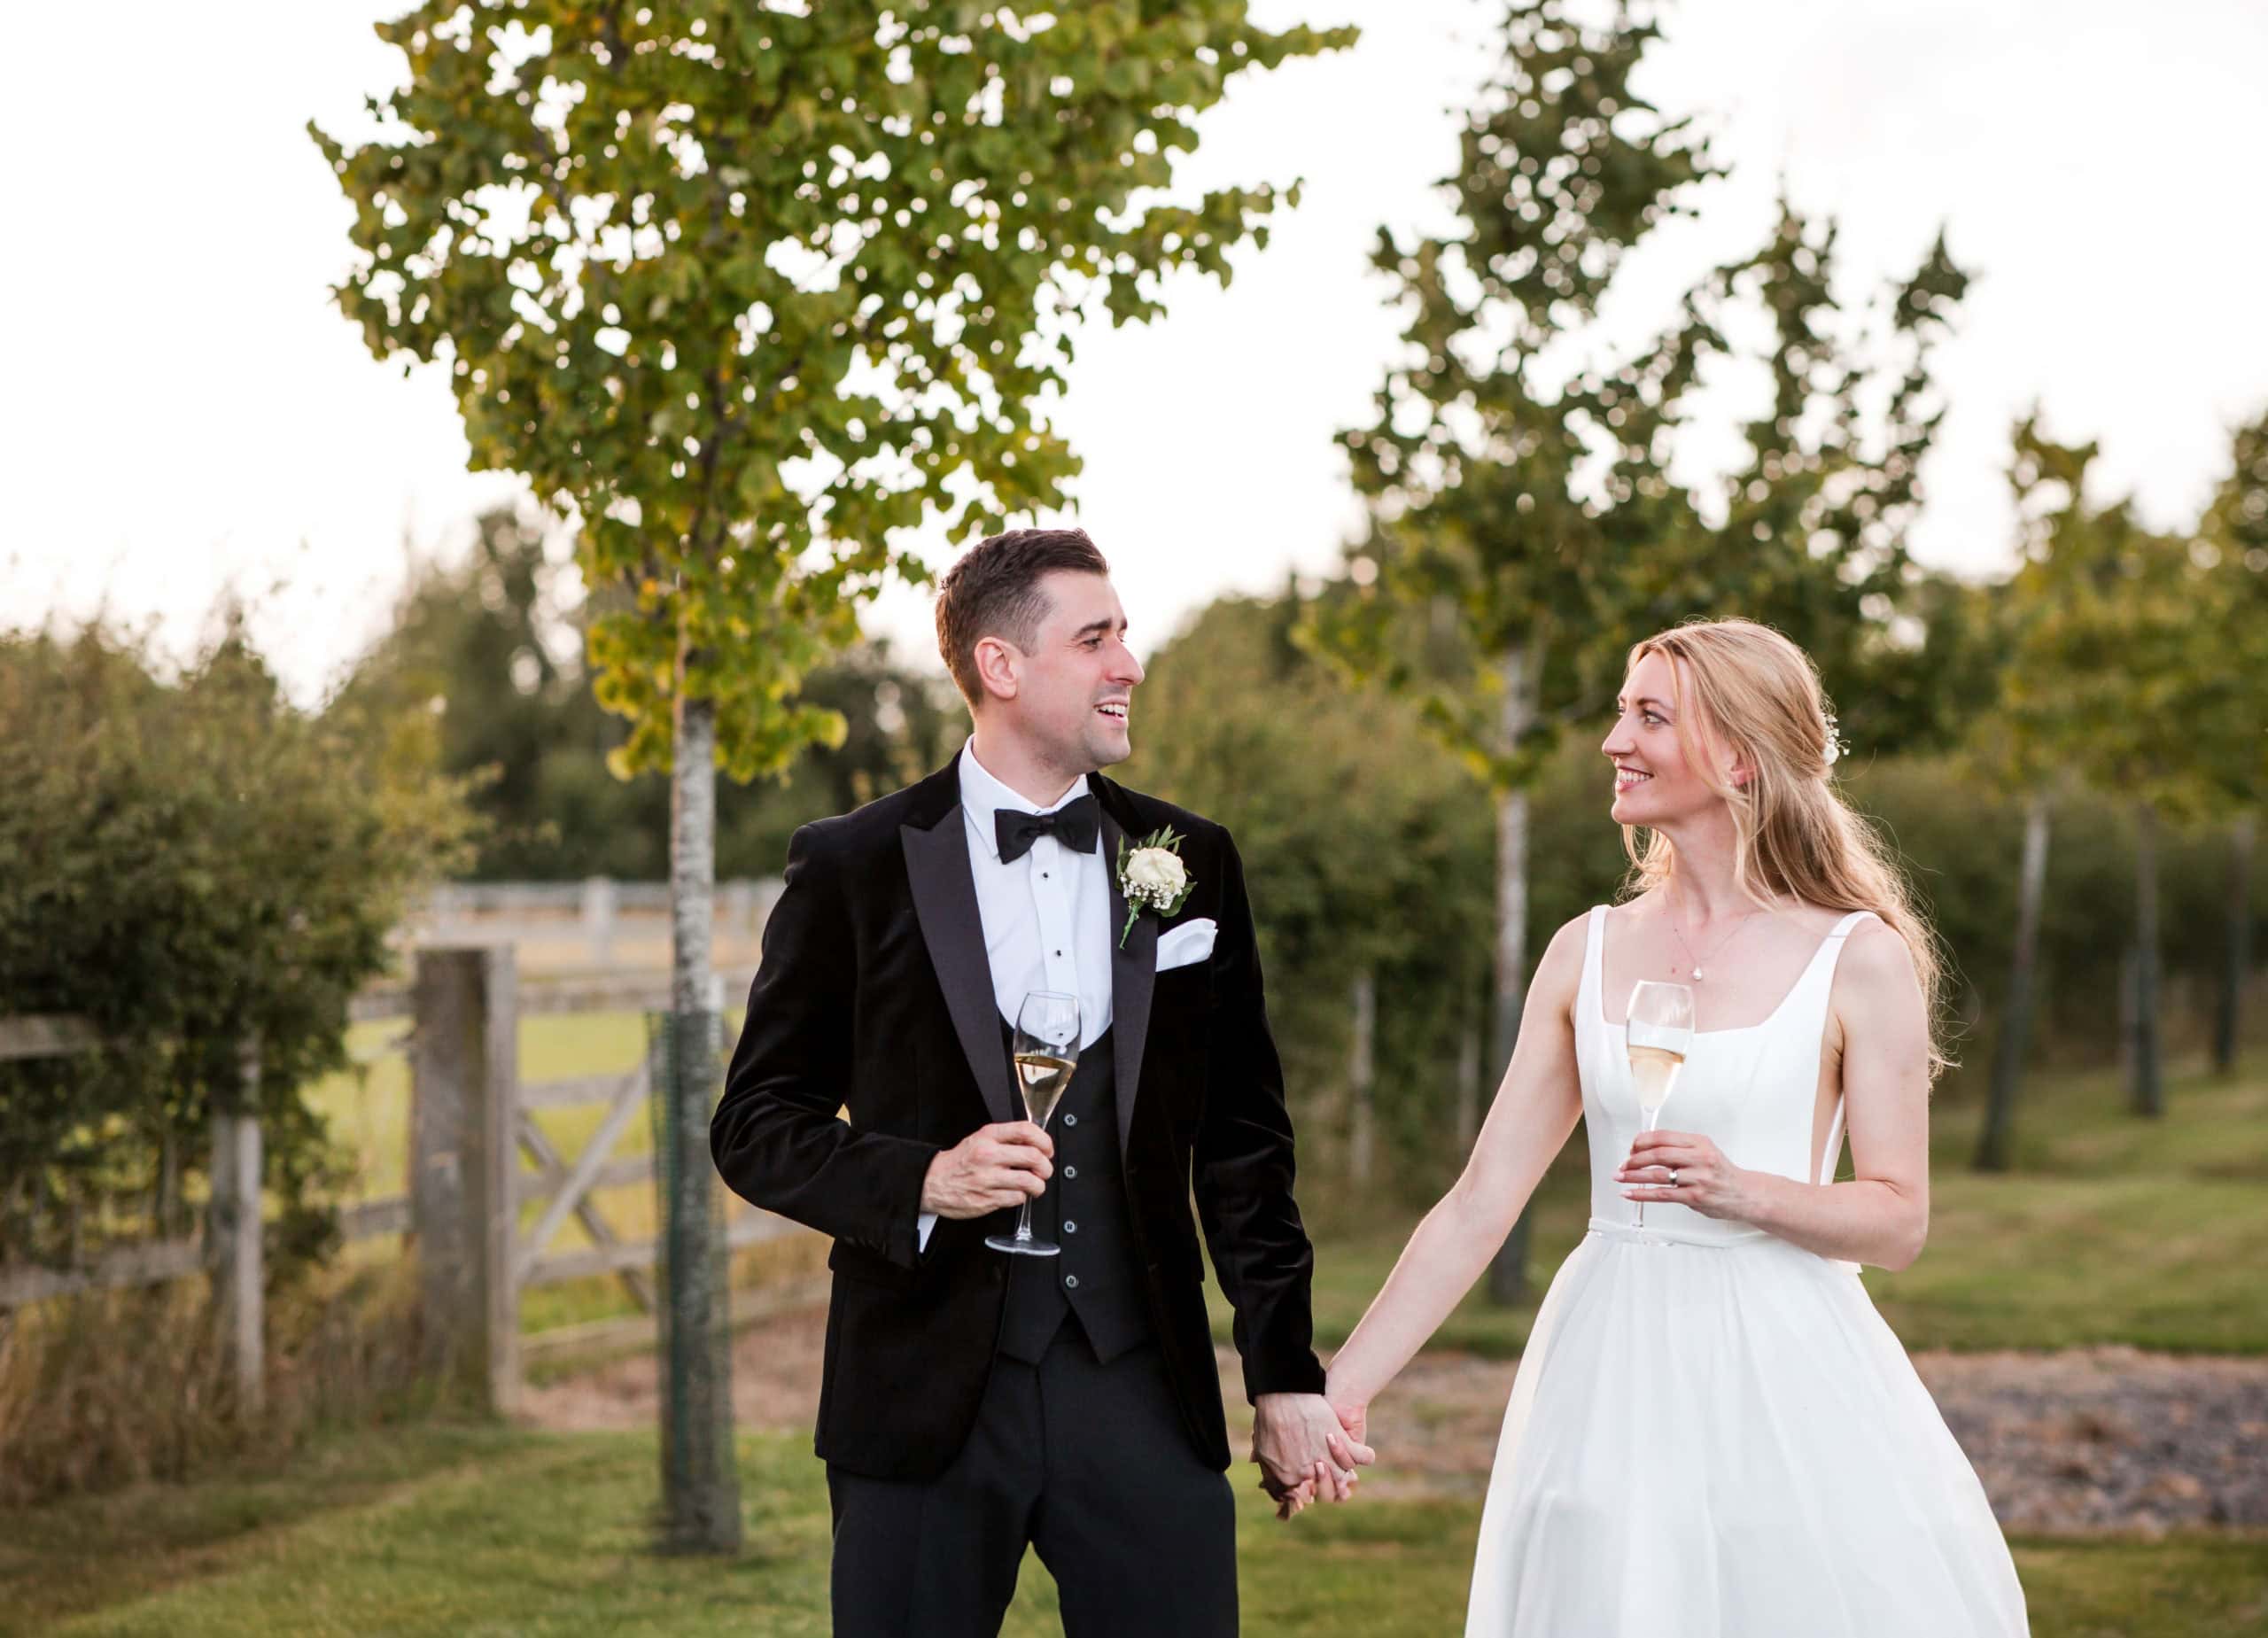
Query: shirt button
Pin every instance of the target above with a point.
(1070, 1120)
(1069, 1227)
(1070, 1172)
(1071, 1280)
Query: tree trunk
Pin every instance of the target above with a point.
(2150, 1082)
(701, 1510)
(1995, 1147)
(1508, 1272)
(1362, 1114)
(1468, 1075)
(2236, 966)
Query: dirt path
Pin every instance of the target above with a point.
(2086, 1439)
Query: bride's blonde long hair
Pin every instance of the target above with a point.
(1760, 696)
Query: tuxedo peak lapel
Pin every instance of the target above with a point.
(1133, 974)
(944, 903)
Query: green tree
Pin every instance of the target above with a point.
(492, 644)
(2117, 677)
(2008, 746)
(1360, 837)
(194, 865)
(1516, 472)
(2234, 551)
(749, 292)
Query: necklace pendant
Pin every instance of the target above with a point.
(1697, 974)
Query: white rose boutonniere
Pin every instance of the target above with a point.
(1152, 876)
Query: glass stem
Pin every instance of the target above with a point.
(1640, 1220)
(1023, 1222)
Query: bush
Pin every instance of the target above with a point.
(194, 865)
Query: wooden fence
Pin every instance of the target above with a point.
(229, 1250)
(480, 913)
(472, 1121)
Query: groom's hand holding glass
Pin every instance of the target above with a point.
(992, 1168)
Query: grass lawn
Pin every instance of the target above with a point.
(2111, 1229)
(468, 1531)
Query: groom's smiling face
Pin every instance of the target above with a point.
(1075, 686)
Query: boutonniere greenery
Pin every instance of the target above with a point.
(1152, 876)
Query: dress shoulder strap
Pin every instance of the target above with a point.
(1833, 1147)
(1844, 927)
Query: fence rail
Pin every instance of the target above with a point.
(478, 1159)
(45, 1036)
(590, 910)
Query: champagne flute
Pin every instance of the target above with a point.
(1659, 1030)
(1046, 1049)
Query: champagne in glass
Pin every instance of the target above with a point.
(1659, 1030)
(1045, 1047)
(1043, 1074)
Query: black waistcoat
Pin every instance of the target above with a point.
(1098, 1279)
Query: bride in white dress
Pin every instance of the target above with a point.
(1713, 1434)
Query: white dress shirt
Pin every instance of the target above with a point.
(1045, 915)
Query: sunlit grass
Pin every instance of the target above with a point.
(442, 1530)
(2111, 1229)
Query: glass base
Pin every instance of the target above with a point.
(1023, 1248)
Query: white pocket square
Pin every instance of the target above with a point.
(1192, 941)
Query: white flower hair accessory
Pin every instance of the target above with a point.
(1152, 877)
(1836, 747)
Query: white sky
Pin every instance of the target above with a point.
(185, 410)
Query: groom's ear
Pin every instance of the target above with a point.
(998, 665)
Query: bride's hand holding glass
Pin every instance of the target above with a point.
(1688, 1169)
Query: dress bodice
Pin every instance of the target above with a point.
(1752, 1090)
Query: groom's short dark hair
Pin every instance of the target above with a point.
(993, 590)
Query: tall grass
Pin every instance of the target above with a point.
(104, 1388)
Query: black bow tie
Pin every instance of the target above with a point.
(1077, 825)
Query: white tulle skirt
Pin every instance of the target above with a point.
(1712, 1440)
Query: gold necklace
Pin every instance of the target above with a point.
(1697, 974)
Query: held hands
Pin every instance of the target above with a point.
(991, 1168)
(1706, 1180)
(1306, 1447)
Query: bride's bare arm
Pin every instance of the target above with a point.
(1534, 1110)
(1882, 1215)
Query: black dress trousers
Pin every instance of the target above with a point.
(1079, 1448)
(1086, 1461)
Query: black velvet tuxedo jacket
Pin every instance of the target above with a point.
(874, 999)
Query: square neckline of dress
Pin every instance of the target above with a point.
(1598, 967)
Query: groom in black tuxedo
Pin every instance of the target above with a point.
(975, 1402)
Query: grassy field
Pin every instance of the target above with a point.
(2113, 1229)
(471, 1531)
(2110, 1228)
